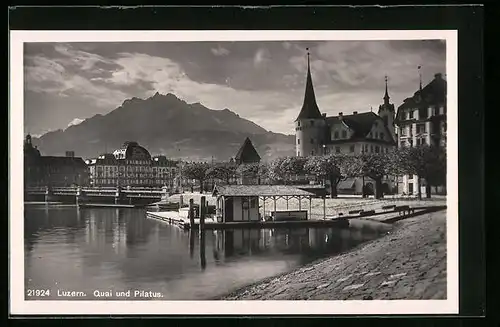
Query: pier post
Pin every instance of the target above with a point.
(164, 193)
(203, 212)
(118, 194)
(274, 199)
(264, 208)
(191, 213)
(310, 207)
(192, 235)
(286, 203)
(79, 196)
(324, 207)
(49, 196)
(181, 201)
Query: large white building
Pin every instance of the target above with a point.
(421, 119)
(366, 132)
(132, 165)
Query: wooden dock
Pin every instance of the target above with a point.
(107, 205)
(172, 217)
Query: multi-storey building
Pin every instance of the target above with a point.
(421, 119)
(51, 170)
(317, 134)
(132, 165)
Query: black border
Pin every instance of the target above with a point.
(467, 19)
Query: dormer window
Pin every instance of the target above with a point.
(298, 123)
(410, 115)
(344, 134)
(336, 135)
(381, 135)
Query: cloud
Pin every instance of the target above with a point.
(262, 82)
(261, 56)
(220, 51)
(75, 121)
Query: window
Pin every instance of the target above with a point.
(386, 150)
(312, 122)
(376, 135)
(410, 115)
(298, 123)
(381, 135)
(298, 141)
(312, 153)
(344, 134)
(351, 148)
(366, 147)
(377, 149)
(312, 141)
(298, 153)
(371, 148)
(336, 135)
(337, 149)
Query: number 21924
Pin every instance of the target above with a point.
(38, 292)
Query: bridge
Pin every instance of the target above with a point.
(81, 194)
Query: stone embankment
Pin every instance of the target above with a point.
(407, 263)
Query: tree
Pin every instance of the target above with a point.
(372, 165)
(275, 172)
(330, 167)
(253, 171)
(197, 171)
(424, 161)
(292, 166)
(223, 171)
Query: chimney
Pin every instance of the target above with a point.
(340, 114)
(438, 76)
(324, 115)
(354, 112)
(70, 154)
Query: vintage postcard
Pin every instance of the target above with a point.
(233, 172)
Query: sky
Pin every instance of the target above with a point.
(66, 83)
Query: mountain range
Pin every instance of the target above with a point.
(166, 125)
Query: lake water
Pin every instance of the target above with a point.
(101, 251)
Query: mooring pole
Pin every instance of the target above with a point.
(203, 211)
(310, 208)
(324, 207)
(191, 213)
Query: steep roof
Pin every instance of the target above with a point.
(247, 153)
(259, 190)
(310, 108)
(360, 123)
(432, 94)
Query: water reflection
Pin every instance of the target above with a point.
(88, 249)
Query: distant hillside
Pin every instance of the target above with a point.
(164, 124)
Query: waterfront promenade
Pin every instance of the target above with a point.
(407, 263)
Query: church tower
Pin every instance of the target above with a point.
(387, 113)
(310, 124)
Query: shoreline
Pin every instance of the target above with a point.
(372, 270)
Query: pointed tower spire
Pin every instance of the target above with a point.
(309, 107)
(386, 96)
(420, 78)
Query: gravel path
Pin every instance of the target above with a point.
(408, 263)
